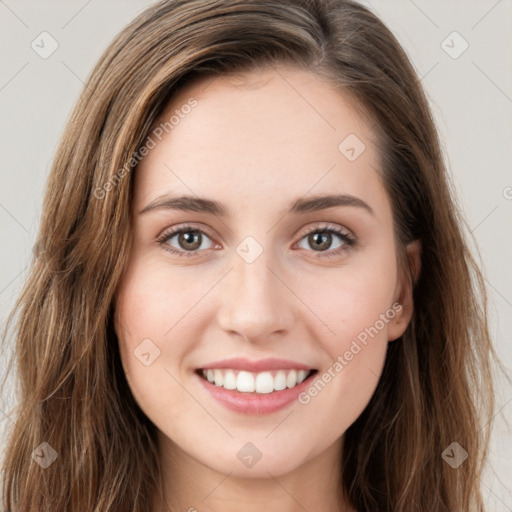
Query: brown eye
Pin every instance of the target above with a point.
(188, 241)
(321, 239)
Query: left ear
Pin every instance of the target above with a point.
(404, 292)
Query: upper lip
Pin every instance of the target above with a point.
(261, 365)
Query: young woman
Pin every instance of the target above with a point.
(251, 287)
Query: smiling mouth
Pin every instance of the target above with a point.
(258, 383)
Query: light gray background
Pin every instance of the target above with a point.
(471, 97)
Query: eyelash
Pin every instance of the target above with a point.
(349, 241)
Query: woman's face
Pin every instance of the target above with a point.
(265, 271)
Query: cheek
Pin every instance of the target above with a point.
(153, 302)
(354, 303)
(149, 313)
(355, 307)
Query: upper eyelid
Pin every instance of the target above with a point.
(175, 230)
(328, 226)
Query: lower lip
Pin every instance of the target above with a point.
(254, 403)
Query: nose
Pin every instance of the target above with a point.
(257, 304)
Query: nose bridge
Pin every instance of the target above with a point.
(256, 305)
(253, 277)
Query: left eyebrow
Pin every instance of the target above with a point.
(304, 205)
(301, 205)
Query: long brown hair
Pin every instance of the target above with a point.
(436, 387)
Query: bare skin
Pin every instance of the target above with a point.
(256, 145)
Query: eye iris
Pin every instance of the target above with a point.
(323, 236)
(184, 237)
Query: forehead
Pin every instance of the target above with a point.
(250, 134)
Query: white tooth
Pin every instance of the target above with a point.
(264, 383)
(291, 380)
(280, 381)
(218, 377)
(245, 382)
(229, 380)
(301, 376)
